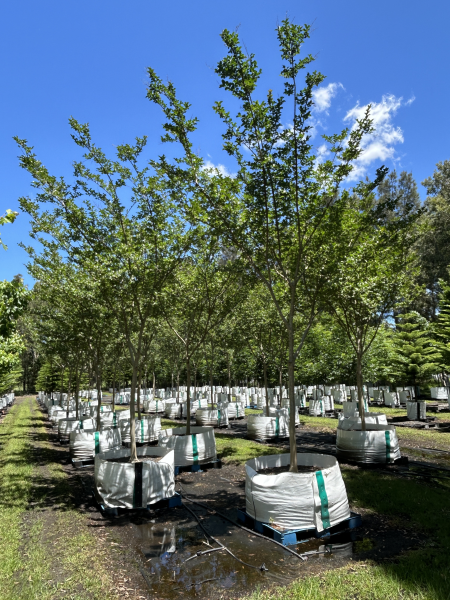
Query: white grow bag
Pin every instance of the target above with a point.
(85, 444)
(391, 399)
(109, 419)
(267, 428)
(195, 405)
(93, 410)
(236, 410)
(211, 416)
(118, 485)
(66, 426)
(439, 393)
(57, 416)
(371, 418)
(316, 407)
(350, 409)
(274, 411)
(416, 410)
(146, 429)
(197, 448)
(378, 444)
(297, 500)
(154, 406)
(173, 410)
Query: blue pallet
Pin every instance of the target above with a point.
(171, 502)
(214, 464)
(295, 536)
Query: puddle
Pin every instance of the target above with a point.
(167, 547)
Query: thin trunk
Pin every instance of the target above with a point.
(114, 391)
(188, 405)
(265, 386)
(359, 378)
(133, 452)
(178, 386)
(139, 395)
(229, 370)
(61, 400)
(291, 373)
(77, 392)
(99, 395)
(68, 393)
(195, 382)
(154, 385)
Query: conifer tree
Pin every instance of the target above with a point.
(417, 356)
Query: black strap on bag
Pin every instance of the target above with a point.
(138, 484)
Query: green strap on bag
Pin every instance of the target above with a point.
(81, 424)
(194, 448)
(324, 509)
(388, 446)
(277, 426)
(142, 430)
(97, 442)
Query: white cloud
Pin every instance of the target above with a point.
(322, 153)
(323, 95)
(209, 166)
(380, 145)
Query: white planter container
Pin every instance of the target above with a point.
(85, 444)
(134, 485)
(439, 393)
(146, 429)
(350, 409)
(274, 411)
(378, 444)
(154, 406)
(173, 410)
(391, 399)
(93, 410)
(416, 410)
(267, 428)
(62, 415)
(236, 410)
(215, 417)
(195, 405)
(197, 448)
(315, 500)
(316, 407)
(371, 418)
(109, 419)
(66, 426)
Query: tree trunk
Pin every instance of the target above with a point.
(188, 405)
(291, 374)
(114, 391)
(229, 369)
(68, 393)
(99, 396)
(133, 452)
(265, 386)
(178, 386)
(154, 385)
(139, 395)
(77, 392)
(359, 379)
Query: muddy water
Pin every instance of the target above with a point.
(167, 547)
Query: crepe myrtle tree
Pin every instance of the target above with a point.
(115, 221)
(207, 288)
(282, 210)
(376, 274)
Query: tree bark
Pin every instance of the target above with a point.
(293, 468)
(99, 394)
(68, 393)
(77, 392)
(188, 405)
(133, 452)
(265, 386)
(359, 378)
(139, 395)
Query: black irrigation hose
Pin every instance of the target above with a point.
(222, 547)
(300, 556)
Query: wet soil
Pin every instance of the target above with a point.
(285, 469)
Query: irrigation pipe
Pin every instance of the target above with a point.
(222, 547)
(300, 556)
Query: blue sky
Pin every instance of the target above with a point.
(89, 59)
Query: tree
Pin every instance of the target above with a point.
(417, 356)
(375, 274)
(433, 244)
(14, 297)
(281, 212)
(8, 217)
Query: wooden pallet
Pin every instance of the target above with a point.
(171, 502)
(214, 464)
(294, 536)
